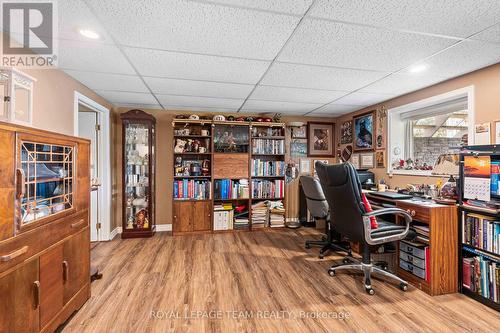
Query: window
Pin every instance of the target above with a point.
(422, 131)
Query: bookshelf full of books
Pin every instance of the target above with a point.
(236, 168)
(480, 228)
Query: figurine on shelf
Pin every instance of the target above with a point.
(178, 161)
(196, 146)
(189, 146)
(180, 146)
(141, 219)
(205, 168)
(130, 223)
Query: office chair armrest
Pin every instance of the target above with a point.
(386, 239)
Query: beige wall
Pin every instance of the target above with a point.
(486, 84)
(164, 165)
(53, 99)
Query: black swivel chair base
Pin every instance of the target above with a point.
(367, 269)
(328, 244)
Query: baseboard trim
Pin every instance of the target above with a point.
(159, 228)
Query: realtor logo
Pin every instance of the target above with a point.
(28, 34)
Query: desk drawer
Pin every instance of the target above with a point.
(412, 250)
(412, 269)
(418, 213)
(420, 263)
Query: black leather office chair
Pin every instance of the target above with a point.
(318, 207)
(342, 190)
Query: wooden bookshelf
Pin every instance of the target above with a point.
(229, 152)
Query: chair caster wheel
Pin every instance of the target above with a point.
(345, 261)
(331, 272)
(385, 268)
(308, 246)
(403, 286)
(370, 291)
(321, 256)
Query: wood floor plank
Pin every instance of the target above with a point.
(254, 282)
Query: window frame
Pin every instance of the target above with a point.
(395, 125)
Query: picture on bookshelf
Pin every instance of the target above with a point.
(231, 139)
(320, 139)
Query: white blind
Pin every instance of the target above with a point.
(454, 105)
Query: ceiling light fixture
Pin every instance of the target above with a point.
(418, 68)
(89, 33)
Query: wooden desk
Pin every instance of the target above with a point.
(443, 243)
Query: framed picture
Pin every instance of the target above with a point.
(366, 161)
(380, 125)
(355, 160)
(363, 131)
(320, 139)
(482, 134)
(298, 148)
(346, 132)
(380, 159)
(305, 166)
(299, 132)
(497, 132)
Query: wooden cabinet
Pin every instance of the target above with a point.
(44, 233)
(76, 264)
(20, 299)
(191, 216)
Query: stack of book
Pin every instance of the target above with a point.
(262, 168)
(231, 189)
(422, 232)
(191, 189)
(260, 215)
(277, 214)
(482, 276)
(268, 189)
(223, 216)
(268, 147)
(482, 232)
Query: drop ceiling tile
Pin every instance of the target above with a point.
(284, 107)
(198, 27)
(316, 77)
(489, 35)
(176, 108)
(196, 67)
(446, 17)
(363, 98)
(294, 7)
(194, 101)
(198, 88)
(75, 15)
(399, 84)
(139, 106)
(102, 81)
(120, 97)
(327, 43)
(298, 95)
(463, 58)
(337, 109)
(91, 56)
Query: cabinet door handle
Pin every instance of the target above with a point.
(65, 270)
(15, 254)
(77, 224)
(20, 183)
(36, 285)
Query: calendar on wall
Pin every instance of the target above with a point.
(477, 178)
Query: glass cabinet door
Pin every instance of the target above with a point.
(137, 182)
(47, 172)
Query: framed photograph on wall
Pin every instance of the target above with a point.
(320, 139)
(497, 132)
(355, 160)
(364, 126)
(305, 166)
(298, 148)
(482, 134)
(299, 132)
(366, 161)
(380, 159)
(380, 126)
(346, 132)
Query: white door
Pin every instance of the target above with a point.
(88, 124)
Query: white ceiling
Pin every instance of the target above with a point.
(299, 57)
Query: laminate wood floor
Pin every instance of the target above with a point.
(254, 282)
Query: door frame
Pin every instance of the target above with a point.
(104, 139)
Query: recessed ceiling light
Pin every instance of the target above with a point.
(89, 34)
(418, 68)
